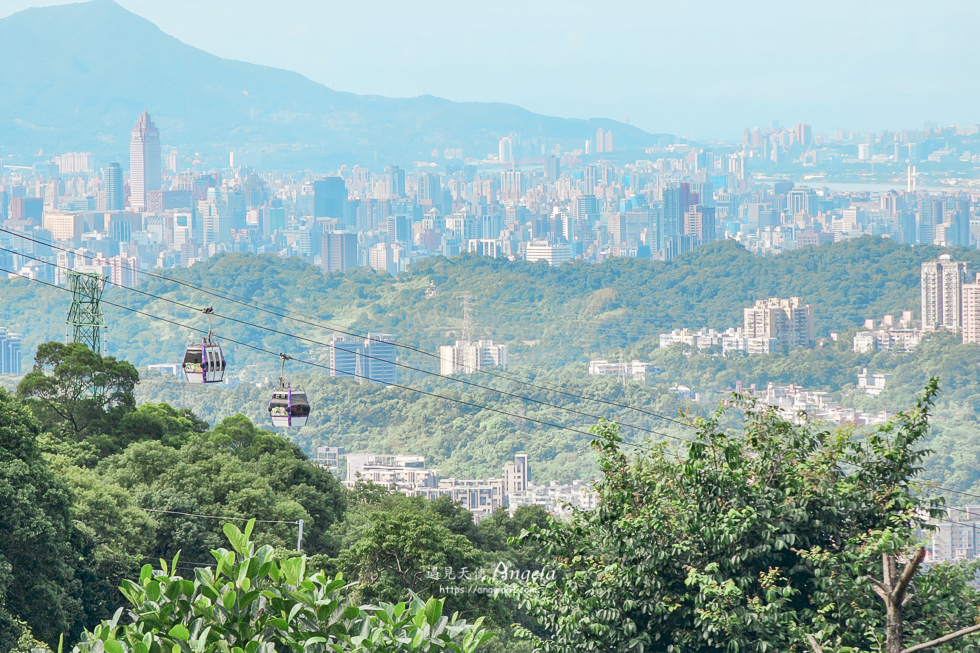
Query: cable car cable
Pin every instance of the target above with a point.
(403, 365)
(258, 306)
(396, 385)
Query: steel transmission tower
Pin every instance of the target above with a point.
(86, 324)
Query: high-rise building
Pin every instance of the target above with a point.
(959, 233)
(789, 322)
(470, 357)
(971, 311)
(27, 208)
(329, 197)
(600, 140)
(517, 475)
(381, 258)
(699, 222)
(396, 181)
(609, 141)
(802, 201)
(144, 162)
(371, 359)
(677, 200)
(941, 283)
(506, 149)
(930, 217)
(381, 353)
(345, 356)
(552, 167)
(112, 180)
(338, 251)
(10, 351)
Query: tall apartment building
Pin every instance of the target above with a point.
(9, 352)
(517, 476)
(941, 283)
(370, 359)
(112, 179)
(144, 162)
(787, 321)
(971, 311)
(329, 197)
(338, 251)
(469, 357)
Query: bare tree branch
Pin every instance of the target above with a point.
(942, 640)
(883, 593)
(814, 646)
(906, 577)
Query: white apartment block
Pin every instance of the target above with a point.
(902, 335)
(731, 340)
(787, 321)
(941, 284)
(971, 311)
(470, 357)
(955, 538)
(634, 368)
(408, 475)
(872, 384)
(553, 254)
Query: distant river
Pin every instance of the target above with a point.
(869, 186)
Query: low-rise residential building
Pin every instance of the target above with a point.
(730, 340)
(872, 384)
(793, 401)
(901, 335)
(559, 499)
(635, 369)
(409, 475)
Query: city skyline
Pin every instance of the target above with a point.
(898, 74)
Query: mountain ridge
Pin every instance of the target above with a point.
(77, 76)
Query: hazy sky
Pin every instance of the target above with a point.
(703, 69)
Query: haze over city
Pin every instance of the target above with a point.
(703, 70)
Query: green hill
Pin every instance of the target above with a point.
(553, 320)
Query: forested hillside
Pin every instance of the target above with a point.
(552, 319)
(547, 316)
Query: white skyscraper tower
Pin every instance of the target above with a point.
(144, 162)
(942, 283)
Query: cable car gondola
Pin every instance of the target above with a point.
(204, 362)
(288, 406)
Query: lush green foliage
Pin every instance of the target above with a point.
(746, 542)
(39, 549)
(248, 602)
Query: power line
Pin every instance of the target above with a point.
(254, 304)
(191, 514)
(403, 365)
(396, 385)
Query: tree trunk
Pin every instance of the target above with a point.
(893, 628)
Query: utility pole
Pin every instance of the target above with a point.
(299, 540)
(86, 323)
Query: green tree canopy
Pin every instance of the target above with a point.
(744, 542)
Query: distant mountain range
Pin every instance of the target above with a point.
(75, 77)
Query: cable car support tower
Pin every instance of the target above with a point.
(86, 323)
